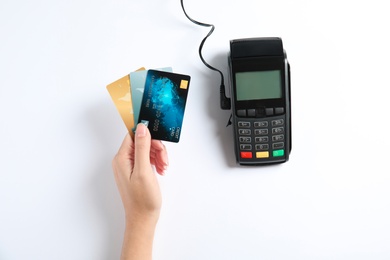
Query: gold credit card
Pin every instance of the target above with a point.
(121, 95)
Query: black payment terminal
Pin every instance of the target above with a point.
(261, 109)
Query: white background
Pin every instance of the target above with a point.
(60, 130)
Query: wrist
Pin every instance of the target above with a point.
(138, 219)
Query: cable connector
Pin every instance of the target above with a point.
(224, 100)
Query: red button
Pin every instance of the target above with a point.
(246, 155)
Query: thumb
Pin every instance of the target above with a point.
(142, 146)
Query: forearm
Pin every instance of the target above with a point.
(138, 240)
(140, 191)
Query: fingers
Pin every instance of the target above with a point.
(149, 151)
(125, 154)
(159, 156)
(126, 146)
(122, 162)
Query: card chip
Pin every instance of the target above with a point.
(184, 84)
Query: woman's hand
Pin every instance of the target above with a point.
(139, 189)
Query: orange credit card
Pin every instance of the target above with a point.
(120, 92)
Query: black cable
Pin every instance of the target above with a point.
(225, 102)
(203, 41)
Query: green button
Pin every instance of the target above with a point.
(278, 153)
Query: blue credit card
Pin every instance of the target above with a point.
(163, 104)
(137, 80)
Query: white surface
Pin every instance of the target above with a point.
(60, 130)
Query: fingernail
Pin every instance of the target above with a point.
(145, 122)
(141, 130)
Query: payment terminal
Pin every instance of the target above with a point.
(260, 98)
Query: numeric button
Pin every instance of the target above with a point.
(261, 131)
(245, 139)
(278, 122)
(262, 147)
(262, 139)
(244, 124)
(277, 138)
(244, 131)
(278, 130)
(261, 124)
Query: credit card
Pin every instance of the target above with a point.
(163, 104)
(121, 96)
(137, 79)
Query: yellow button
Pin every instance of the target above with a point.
(262, 154)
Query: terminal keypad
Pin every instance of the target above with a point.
(261, 137)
